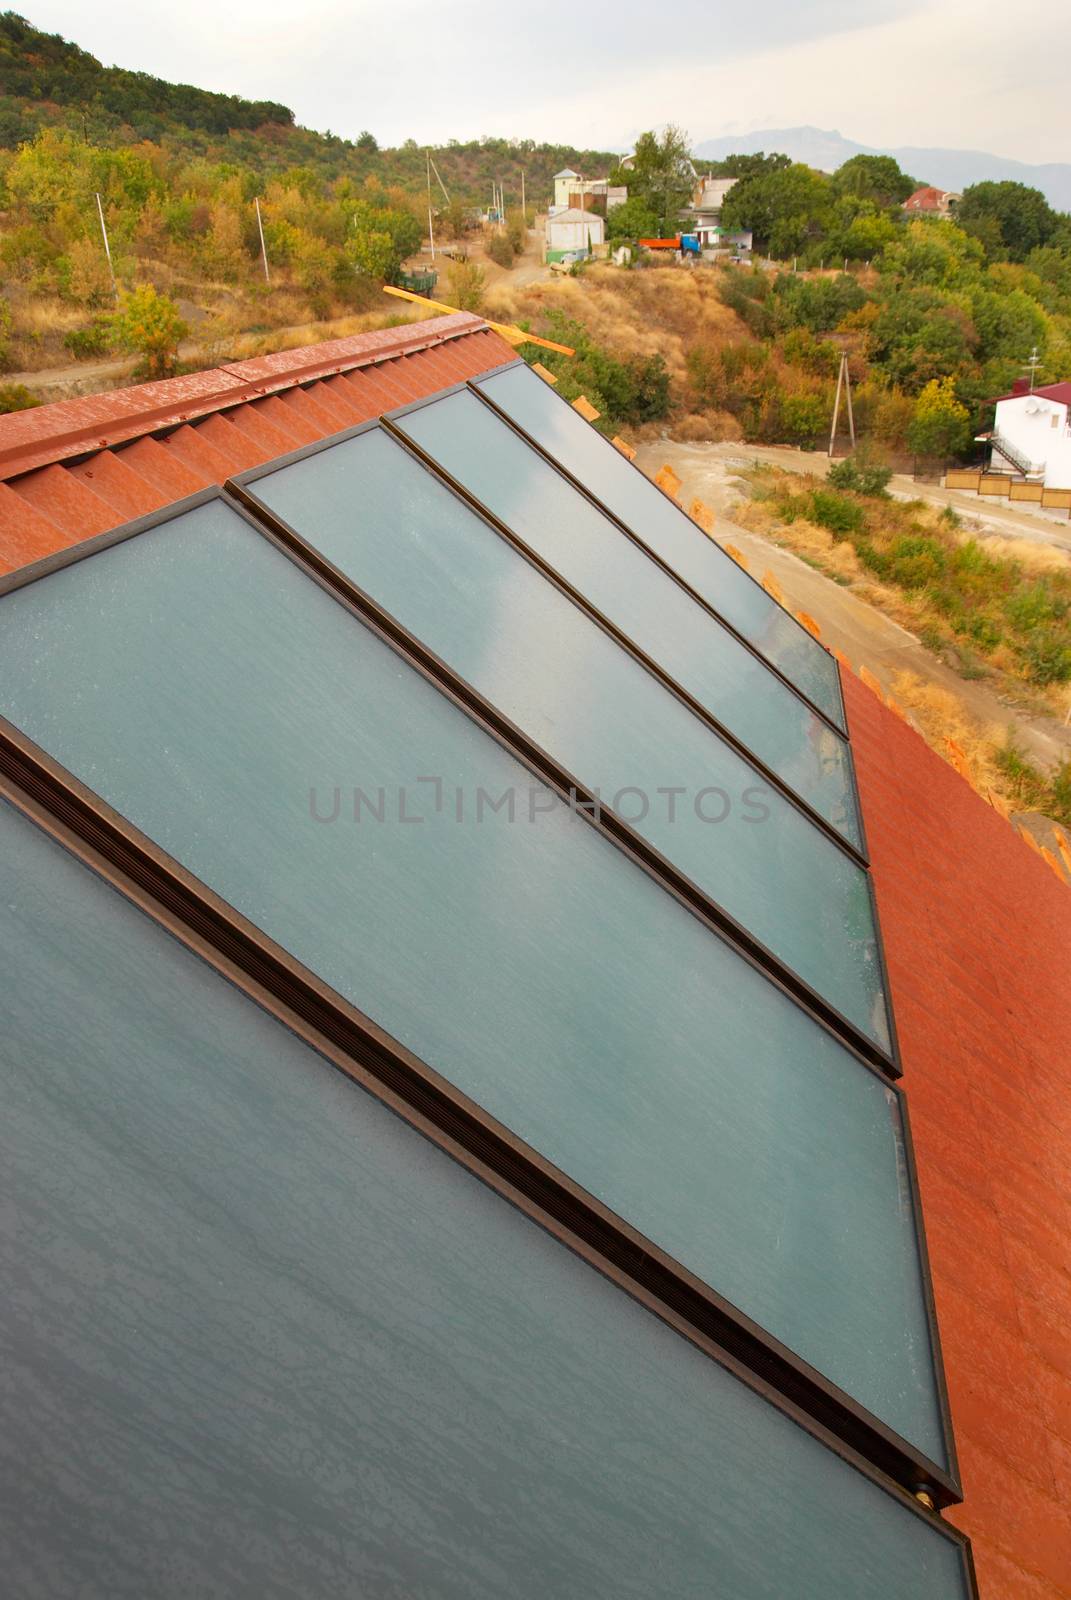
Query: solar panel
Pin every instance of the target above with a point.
(314, 1356)
(284, 754)
(444, 573)
(583, 546)
(665, 529)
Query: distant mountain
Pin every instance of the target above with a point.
(948, 169)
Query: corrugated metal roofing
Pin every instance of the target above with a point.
(80, 467)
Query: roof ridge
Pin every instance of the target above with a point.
(66, 428)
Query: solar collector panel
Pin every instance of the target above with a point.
(624, 490)
(309, 1351)
(199, 682)
(467, 441)
(401, 536)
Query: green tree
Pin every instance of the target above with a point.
(819, 304)
(1019, 217)
(941, 425)
(875, 178)
(453, 218)
(787, 210)
(749, 166)
(931, 250)
(663, 176)
(1008, 324)
(152, 325)
(921, 334)
(466, 285)
(632, 219)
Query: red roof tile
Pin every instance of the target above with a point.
(977, 931)
(81, 467)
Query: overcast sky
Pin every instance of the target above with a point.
(968, 74)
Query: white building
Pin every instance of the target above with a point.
(1032, 434)
(571, 191)
(565, 184)
(704, 217)
(574, 231)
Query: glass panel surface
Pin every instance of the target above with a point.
(213, 694)
(594, 461)
(261, 1339)
(418, 550)
(583, 546)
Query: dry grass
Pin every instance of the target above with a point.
(939, 715)
(706, 427)
(657, 311)
(984, 754)
(768, 513)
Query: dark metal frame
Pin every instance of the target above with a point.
(390, 420)
(64, 806)
(475, 385)
(390, 423)
(65, 811)
(552, 772)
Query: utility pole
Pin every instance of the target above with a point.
(431, 226)
(107, 250)
(263, 246)
(844, 378)
(524, 208)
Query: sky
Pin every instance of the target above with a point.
(883, 72)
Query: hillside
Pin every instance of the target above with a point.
(48, 83)
(948, 169)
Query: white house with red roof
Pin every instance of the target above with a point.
(1032, 434)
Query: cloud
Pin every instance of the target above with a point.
(892, 72)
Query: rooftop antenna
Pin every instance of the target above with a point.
(1034, 362)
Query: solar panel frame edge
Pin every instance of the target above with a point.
(132, 864)
(548, 770)
(476, 385)
(242, 481)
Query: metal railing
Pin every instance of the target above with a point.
(1011, 452)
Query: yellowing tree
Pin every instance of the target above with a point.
(152, 325)
(941, 425)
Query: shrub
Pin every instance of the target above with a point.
(1047, 656)
(803, 419)
(16, 397)
(500, 249)
(834, 512)
(915, 562)
(860, 474)
(466, 285)
(92, 340)
(149, 323)
(1034, 606)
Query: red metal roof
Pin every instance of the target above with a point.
(79, 467)
(1060, 392)
(977, 932)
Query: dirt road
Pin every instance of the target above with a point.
(866, 636)
(988, 516)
